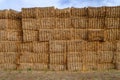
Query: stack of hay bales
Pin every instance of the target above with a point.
(35, 46)
(10, 38)
(112, 33)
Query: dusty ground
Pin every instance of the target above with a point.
(51, 75)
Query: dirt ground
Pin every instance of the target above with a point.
(53, 75)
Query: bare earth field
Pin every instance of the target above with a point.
(65, 75)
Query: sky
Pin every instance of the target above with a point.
(18, 4)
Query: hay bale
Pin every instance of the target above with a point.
(7, 66)
(78, 12)
(106, 46)
(30, 35)
(58, 46)
(74, 57)
(96, 23)
(29, 57)
(105, 56)
(90, 57)
(60, 34)
(29, 12)
(58, 58)
(45, 34)
(45, 12)
(25, 47)
(75, 45)
(40, 47)
(105, 66)
(3, 35)
(111, 34)
(113, 12)
(8, 57)
(14, 24)
(112, 23)
(63, 23)
(96, 11)
(118, 46)
(75, 66)
(79, 22)
(79, 34)
(117, 66)
(3, 24)
(96, 35)
(13, 35)
(29, 24)
(33, 66)
(91, 46)
(57, 67)
(89, 66)
(63, 13)
(9, 46)
(9, 14)
(46, 23)
(117, 56)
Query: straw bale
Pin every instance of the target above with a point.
(113, 11)
(89, 66)
(79, 34)
(9, 46)
(73, 57)
(112, 23)
(117, 56)
(33, 66)
(39, 47)
(61, 34)
(63, 23)
(96, 23)
(7, 66)
(45, 12)
(58, 46)
(91, 46)
(58, 58)
(30, 35)
(75, 66)
(3, 35)
(79, 22)
(8, 57)
(75, 45)
(29, 24)
(78, 12)
(96, 35)
(117, 66)
(106, 46)
(118, 46)
(90, 57)
(25, 47)
(56, 67)
(105, 66)
(29, 57)
(3, 24)
(63, 13)
(45, 34)
(46, 23)
(105, 56)
(96, 11)
(13, 35)
(111, 34)
(9, 14)
(29, 12)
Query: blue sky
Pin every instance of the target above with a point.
(18, 4)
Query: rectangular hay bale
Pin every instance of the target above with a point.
(96, 23)
(79, 22)
(30, 35)
(8, 66)
(57, 67)
(29, 24)
(96, 35)
(112, 23)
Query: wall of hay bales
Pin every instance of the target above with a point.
(71, 39)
